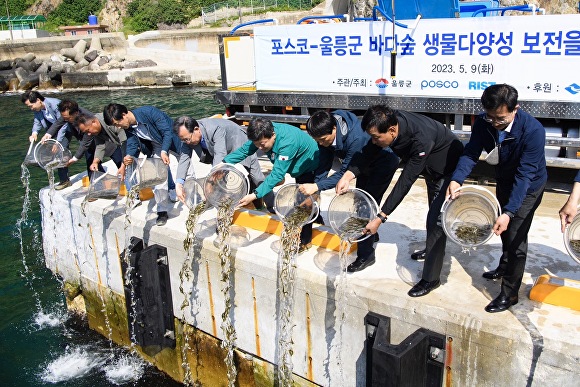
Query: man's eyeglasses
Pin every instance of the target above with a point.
(189, 139)
(499, 121)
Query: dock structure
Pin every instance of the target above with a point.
(385, 337)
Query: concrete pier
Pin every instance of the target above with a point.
(531, 344)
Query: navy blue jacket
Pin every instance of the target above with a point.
(160, 127)
(522, 161)
(350, 139)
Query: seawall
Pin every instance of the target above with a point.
(532, 343)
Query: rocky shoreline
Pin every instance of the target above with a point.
(75, 64)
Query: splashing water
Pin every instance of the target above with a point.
(73, 364)
(125, 369)
(224, 221)
(27, 274)
(341, 292)
(48, 320)
(186, 274)
(290, 242)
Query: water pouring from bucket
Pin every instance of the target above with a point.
(295, 208)
(103, 186)
(29, 158)
(145, 173)
(469, 218)
(572, 238)
(350, 212)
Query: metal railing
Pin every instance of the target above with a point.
(248, 10)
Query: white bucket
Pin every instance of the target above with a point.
(51, 155)
(290, 202)
(147, 172)
(226, 183)
(193, 190)
(476, 210)
(572, 238)
(352, 208)
(103, 186)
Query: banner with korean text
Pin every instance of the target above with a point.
(539, 55)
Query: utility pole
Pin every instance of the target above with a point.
(9, 24)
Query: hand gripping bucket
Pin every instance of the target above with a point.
(469, 218)
(350, 212)
(146, 172)
(295, 208)
(51, 154)
(103, 186)
(193, 190)
(225, 183)
(572, 238)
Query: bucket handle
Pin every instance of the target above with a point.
(485, 190)
(30, 148)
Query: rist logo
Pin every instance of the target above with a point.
(573, 88)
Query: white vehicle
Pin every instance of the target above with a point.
(436, 58)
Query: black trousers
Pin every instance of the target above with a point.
(306, 233)
(436, 238)
(514, 240)
(383, 169)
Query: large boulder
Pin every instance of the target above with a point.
(139, 63)
(91, 55)
(103, 60)
(29, 57)
(43, 69)
(95, 44)
(26, 65)
(29, 81)
(6, 64)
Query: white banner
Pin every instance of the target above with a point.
(539, 55)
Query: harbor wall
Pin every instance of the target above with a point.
(531, 342)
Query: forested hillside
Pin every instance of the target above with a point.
(134, 16)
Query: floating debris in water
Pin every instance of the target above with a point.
(471, 233)
(352, 228)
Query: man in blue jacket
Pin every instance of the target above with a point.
(518, 140)
(45, 114)
(339, 134)
(150, 131)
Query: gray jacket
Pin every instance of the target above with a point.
(109, 138)
(221, 137)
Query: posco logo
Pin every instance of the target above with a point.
(573, 88)
(439, 84)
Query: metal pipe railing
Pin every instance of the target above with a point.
(261, 21)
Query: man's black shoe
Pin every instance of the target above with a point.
(360, 264)
(493, 274)
(419, 255)
(501, 303)
(423, 287)
(162, 218)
